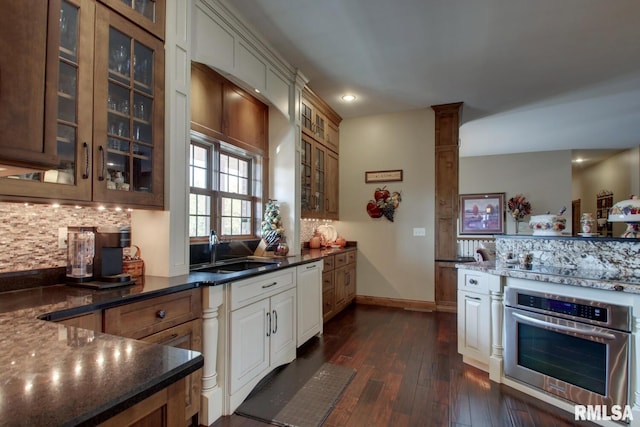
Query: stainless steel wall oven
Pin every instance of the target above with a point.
(572, 348)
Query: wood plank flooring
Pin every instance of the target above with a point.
(409, 373)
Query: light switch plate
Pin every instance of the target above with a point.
(421, 231)
(62, 237)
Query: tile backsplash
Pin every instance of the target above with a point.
(29, 232)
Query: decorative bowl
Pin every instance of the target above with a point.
(547, 225)
(625, 211)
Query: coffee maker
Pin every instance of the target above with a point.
(94, 256)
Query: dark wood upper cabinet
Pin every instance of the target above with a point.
(104, 110)
(224, 111)
(207, 88)
(23, 65)
(245, 119)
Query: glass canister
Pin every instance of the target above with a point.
(588, 223)
(80, 252)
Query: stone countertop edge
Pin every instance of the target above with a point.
(573, 278)
(36, 348)
(135, 395)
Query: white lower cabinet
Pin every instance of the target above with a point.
(474, 317)
(309, 285)
(262, 330)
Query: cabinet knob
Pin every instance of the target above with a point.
(473, 281)
(161, 314)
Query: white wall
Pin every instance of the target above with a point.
(544, 178)
(391, 262)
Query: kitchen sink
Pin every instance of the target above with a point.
(236, 266)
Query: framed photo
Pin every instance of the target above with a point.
(482, 213)
(383, 176)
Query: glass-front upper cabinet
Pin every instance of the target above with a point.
(128, 110)
(149, 14)
(68, 103)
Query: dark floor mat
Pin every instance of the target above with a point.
(296, 395)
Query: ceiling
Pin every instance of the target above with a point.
(534, 75)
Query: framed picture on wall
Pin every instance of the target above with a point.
(482, 213)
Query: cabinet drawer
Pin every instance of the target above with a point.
(473, 281)
(327, 280)
(250, 290)
(143, 318)
(329, 263)
(351, 257)
(341, 259)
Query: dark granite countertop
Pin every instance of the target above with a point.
(613, 280)
(53, 374)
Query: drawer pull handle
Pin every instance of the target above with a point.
(473, 298)
(161, 314)
(168, 339)
(309, 267)
(270, 285)
(473, 282)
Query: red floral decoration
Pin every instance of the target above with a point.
(519, 207)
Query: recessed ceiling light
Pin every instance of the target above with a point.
(257, 90)
(348, 98)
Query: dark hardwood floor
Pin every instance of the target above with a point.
(409, 373)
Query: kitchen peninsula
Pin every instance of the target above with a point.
(578, 301)
(59, 374)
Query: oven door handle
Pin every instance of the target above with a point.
(586, 331)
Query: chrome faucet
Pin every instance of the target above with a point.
(213, 245)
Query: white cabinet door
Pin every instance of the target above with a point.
(309, 282)
(250, 343)
(283, 327)
(474, 325)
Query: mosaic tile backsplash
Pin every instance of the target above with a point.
(29, 233)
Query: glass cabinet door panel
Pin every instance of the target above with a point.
(118, 171)
(148, 14)
(143, 67)
(119, 56)
(68, 31)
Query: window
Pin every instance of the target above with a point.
(223, 195)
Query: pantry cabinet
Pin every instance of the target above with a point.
(319, 159)
(105, 100)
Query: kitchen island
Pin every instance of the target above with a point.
(56, 374)
(558, 308)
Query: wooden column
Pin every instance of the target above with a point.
(447, 124)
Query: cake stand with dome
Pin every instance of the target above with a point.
(627, 211)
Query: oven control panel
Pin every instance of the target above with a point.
(584, 311)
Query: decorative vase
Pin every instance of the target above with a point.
(587, 223)
(517, 221)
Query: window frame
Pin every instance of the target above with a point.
(256, 185)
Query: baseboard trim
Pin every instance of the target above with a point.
(396, 302)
